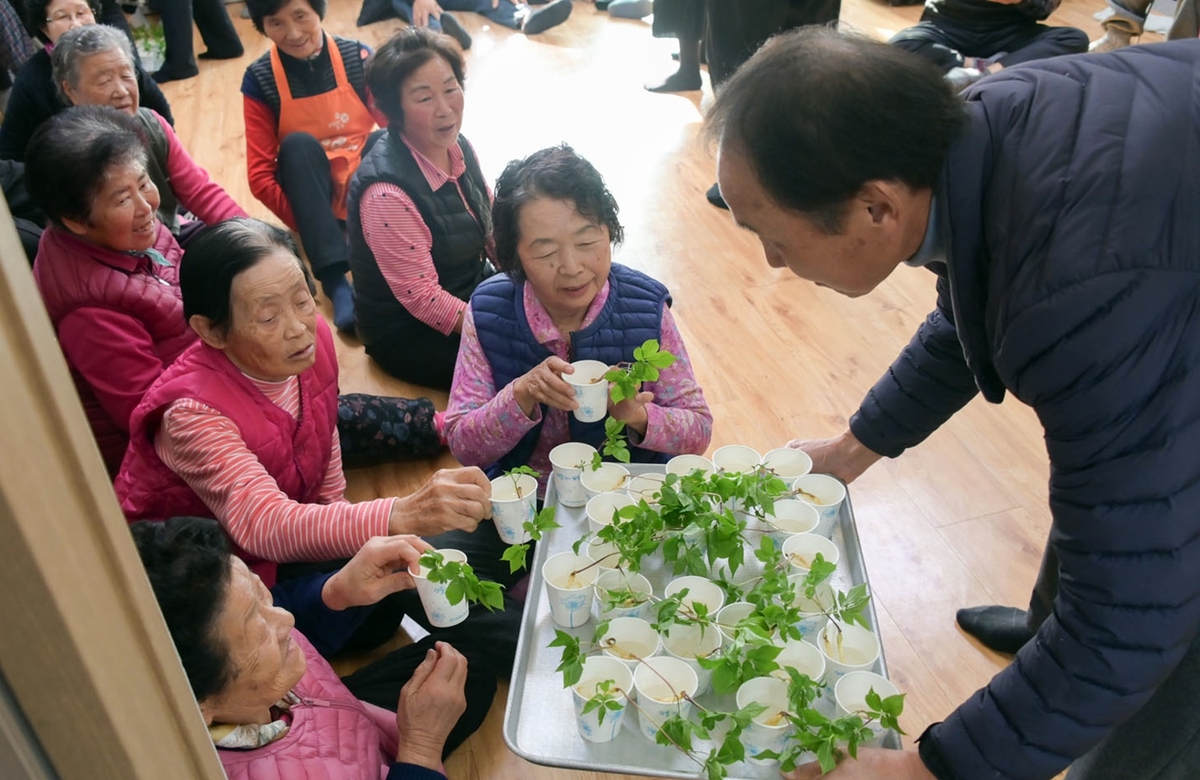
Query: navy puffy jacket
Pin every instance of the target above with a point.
(1072, 201)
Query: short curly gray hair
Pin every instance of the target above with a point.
(75, 46)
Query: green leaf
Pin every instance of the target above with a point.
(515, 555)
(455, 592)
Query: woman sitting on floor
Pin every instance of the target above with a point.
(93, 66)
(420, 213)
(35, 96)
(308, 124)
(273, 705)
(107, 270)
(561, 299)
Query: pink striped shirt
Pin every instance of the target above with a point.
(484, 422)
(207, 451)
(403, 246)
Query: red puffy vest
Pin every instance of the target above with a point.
(295, 452)
(72, 273)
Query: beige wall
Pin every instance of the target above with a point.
(82, 645)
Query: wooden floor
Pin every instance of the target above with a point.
(958, 521)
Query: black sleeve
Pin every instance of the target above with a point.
(152, 96)
(927, 383)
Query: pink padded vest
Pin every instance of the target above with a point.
(334, 736)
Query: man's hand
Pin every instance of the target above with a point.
(632, 411)
(872, 764)
(378, 569)
(452, 499)
(430, 704)
(422, 10)
(842, 456)
(544, 385)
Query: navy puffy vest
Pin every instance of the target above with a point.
(631, 315)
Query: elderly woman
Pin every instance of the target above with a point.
(93, 66)
(241, 427)
(273, 705)
(420, 213)
(308, 122)
(561, 299)
(107, 271)
(35, 96)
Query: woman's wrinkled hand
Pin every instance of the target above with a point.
(430, 704)
(544, 385)
(452, 500)
(378, 569)
(843, 456)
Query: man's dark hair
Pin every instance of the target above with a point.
(35, 16)
(819, 113)
(397, 59)
(214, 258)
(188, 565)
(71, 153)
(556, 173)
(260, 9)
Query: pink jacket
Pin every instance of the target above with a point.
(333, 736)
(119, 320)
(294, 452)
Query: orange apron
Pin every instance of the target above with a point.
(338, 119)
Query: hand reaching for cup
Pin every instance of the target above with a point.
(544, 385)
(378, 569)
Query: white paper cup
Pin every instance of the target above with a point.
(700, 590)
(730, 615)
(597, 669)
(687, 643)
(513, 506)
(813, 617)
(770, 730)
(629, 640)
(804, 657)
(570, 597)
(850, 696)
(683, 465)
(608, 478)
(600, 509)
(604, 554)
(858, 651)
(660, 683)
(824, 492)
(645, 487)
(591, 390)
(787, 463)
(568, 461)
(800, 550)
(615, 580)
(736, 458)
(438, 609)
(792, 516)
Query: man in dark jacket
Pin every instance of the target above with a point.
(969, 39)
(1056, 203)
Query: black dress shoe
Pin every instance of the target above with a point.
(228, 54)
(163, 75)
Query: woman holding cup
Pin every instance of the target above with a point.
(561, 298)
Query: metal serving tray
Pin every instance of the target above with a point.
(539, 721)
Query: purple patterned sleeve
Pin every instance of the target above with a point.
(679, 418)
(481, 423)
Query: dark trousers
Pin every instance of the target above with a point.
(374, 429)
(303, 173)
(487, 639)
(503, 14)
(945, 43)
(216, 28)
(425, 358)
(737, 29)
(1162, 739)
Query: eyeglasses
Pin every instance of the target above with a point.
(78, 15)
